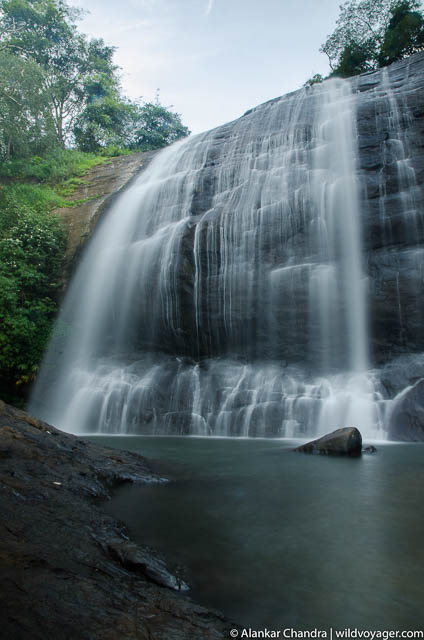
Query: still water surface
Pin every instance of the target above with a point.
(277, 539)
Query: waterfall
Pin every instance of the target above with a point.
(224, 292)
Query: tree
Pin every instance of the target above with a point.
(74, 90)
(355, 59)
(363, 23)
(155, 126)
(25, 123)
(110, 119)
(404, 34)
(369, 33)
(106, 118)
(45, 31)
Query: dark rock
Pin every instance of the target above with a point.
(402, 372)
(68, 570)
(342, 442)
(406, 420)
(134, 558)
(369, 449)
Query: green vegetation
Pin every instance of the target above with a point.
(32, 244)
(404, 35)
(55, 166)
(59, 88)
(62, 111)
(31, 250)
(317, 78)
(373, 33)
(155, 126)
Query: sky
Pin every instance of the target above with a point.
(212, 60)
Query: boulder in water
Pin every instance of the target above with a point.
(342, 442)
(369, 449)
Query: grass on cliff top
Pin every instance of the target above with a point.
(55, 167)
(46, 182)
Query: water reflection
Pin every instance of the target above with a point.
(276, 539)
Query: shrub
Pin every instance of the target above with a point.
(32, 244)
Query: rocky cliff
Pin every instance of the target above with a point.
(101, 185)
(268, 273)
(68, 570)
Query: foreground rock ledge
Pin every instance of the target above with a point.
(68, 570)
(342, 442)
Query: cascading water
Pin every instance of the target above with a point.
(224, 293)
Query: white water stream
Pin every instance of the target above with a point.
(224, 292)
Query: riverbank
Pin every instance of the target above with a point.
(69, 570)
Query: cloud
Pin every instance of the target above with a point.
(209, 7)
(143, 4)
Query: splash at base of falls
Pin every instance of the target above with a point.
(170, 396)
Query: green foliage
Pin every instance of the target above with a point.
(57, 87)
(25, 123)
(45, 32)
(36, 197)
(362, 23)
(155, 126)
(32, 244)
(404, 34)
(31, 253)
(371, 33)
(110, 122)
(317, 78)
(106, 118)
(113, 150)
(354, 59)
(54, 167)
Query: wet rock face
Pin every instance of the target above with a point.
(342, 442)
(391, 160)
(221, 298)
(68, 570)
(285, 247)
(407, 417)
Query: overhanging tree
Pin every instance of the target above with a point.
(371, 33)
(404, 34)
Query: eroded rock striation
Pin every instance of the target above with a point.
(68, 570)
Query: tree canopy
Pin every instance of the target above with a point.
(59, 87)
(156, 126)
(373, 33)
(404, 34)
(25, 122)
